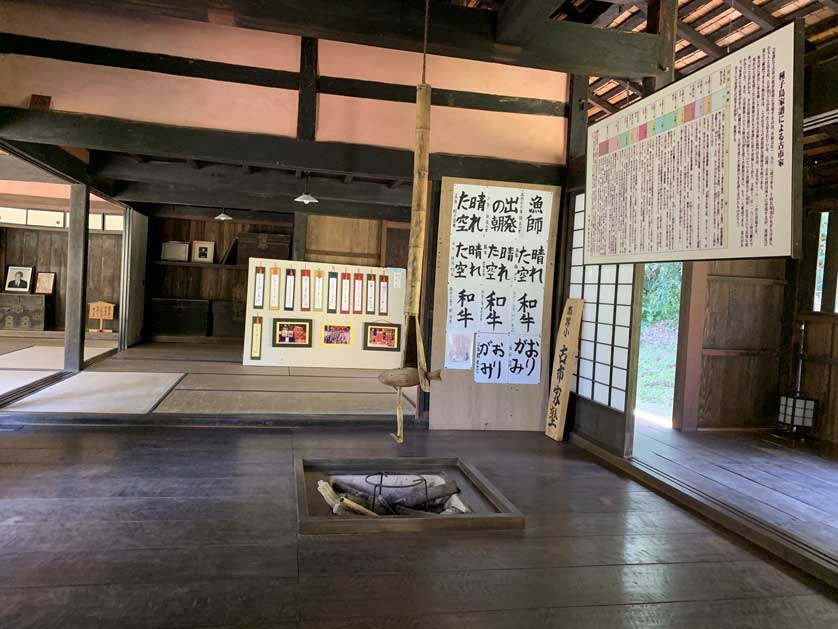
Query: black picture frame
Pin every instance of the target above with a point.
(27, 273)
(396, 327)
(308, 324)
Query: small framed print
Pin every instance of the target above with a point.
(45, 284)
(18, 279)
(335, 335)
(292, 332)
(174, 251)
(203, 251)
(382, 337)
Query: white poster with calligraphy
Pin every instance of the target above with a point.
(497, 268)
(703, 168)
(491, 363)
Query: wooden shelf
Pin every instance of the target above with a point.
(200, 265)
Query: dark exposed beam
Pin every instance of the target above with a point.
(821, 87)
(182, 195)
(192, 212)
(147, 61)
(261, 150)
(602, 103)
(440, 97)
(756, 14)
(518, 19)
(230, 178)
(307, 101)
(339, 86)
(455, 32)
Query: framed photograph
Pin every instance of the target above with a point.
(203, 251)
(383, 337)
(44, 283)
(292, 333)
(337, 335)
(18, 279)
(174, 251)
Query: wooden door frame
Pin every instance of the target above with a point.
(385, 225)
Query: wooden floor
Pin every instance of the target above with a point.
(784, 482)
(154, 527)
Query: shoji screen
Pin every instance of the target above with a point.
(602, 369)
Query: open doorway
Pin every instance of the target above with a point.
(658, 343)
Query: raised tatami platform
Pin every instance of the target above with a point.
(152, 527)
(205, 380)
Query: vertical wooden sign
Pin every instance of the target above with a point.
(564, 364)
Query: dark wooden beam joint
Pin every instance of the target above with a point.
(307, 108)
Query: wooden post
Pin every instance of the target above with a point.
(298, 239)
(75, 319)
(690, 346)
(307, 99)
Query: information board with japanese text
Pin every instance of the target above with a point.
(703, 168)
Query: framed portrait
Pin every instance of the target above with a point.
(337, 335)
(203, 251)
(292, 333)
(382, 337)
(18, 279)
(44, 283)
(174, 251)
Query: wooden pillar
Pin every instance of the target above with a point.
(307, 102)
(298, 239)
(75, 319)
(690, 346)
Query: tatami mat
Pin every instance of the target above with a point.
(217, 382)
(277, 403)
(11, 379)
(44, 357)
(95, 392)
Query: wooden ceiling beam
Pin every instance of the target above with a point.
(518, 19)
(134, 192)
(193, 212)
(455, 31)
(756, 14)
(254, 149)
(226, 177)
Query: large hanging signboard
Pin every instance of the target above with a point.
(706, 168)
(308, 314)
(494, 282)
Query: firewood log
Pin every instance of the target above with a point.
(414, 513)
(354, 506)
(329, 495)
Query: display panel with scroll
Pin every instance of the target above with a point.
(706, 168)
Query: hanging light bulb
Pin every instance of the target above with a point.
(224, 217)
(305, 197)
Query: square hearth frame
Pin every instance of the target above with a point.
(506, 517)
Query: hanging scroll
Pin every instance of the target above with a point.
(273, 301)
(709, 167)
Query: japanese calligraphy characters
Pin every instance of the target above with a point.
(497, 266)
(564, 364)
(701, 169)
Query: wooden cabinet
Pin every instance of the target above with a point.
(180, 316)
(26, 312)
(228, 319)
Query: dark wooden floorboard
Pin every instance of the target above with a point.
(155, 527)
(788, 483)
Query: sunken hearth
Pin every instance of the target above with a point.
(400, 494)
